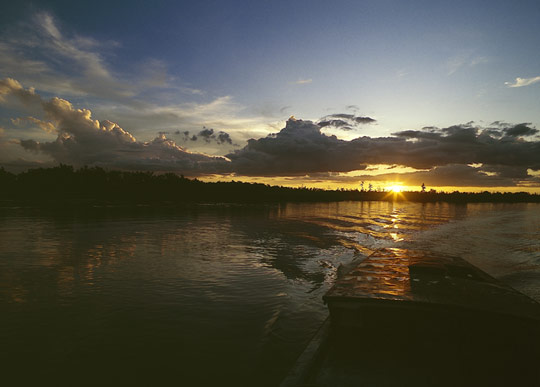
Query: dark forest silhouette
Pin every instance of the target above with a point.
(93, 185)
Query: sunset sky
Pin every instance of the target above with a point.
(385, 92)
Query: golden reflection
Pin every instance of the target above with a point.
(384, 274)
(395, 236)
(395, 225)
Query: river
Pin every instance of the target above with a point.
(213, 294)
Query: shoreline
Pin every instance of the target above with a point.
(96, 186)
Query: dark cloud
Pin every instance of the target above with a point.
(207, 134)
(184, 134)
(501, 128)
(492, 132)
(224, 138)
(456, 175)
(344, 121)
(506, 171)
(357, 119)
(284, 108)
(297, 149)
(335, 123)
(465, 144)
(520, 130)
(301, 148)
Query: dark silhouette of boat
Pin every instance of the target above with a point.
(403, 317)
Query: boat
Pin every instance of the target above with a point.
(404, 317)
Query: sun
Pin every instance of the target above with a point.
(395, 192)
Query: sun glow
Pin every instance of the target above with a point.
(395, 188)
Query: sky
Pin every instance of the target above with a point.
(299, 93)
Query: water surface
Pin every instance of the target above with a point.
(209, 294)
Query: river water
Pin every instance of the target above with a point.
(213, 294)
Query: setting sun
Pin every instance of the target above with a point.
(395, 188)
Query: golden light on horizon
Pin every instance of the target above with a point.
(395, 188)
(395, 191)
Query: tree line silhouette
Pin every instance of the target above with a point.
(94, 185)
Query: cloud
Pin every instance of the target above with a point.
(301, 148)
(9, 86)
(139, 95)
(284, 108)
(208, 135)
(46, 126)
(465, 59)
(501, 154)
(82, 140)
(466, 144)
(520, 82)
(297, 149)
(344, 121)
(453, 175)
(224, 138)
(303, 81)
(39, 53)
(520, 130)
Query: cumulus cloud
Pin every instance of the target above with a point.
(82, 140)
(9, 86)
(297, 149)
(520, 82)
(300, 148)
(46, 126)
